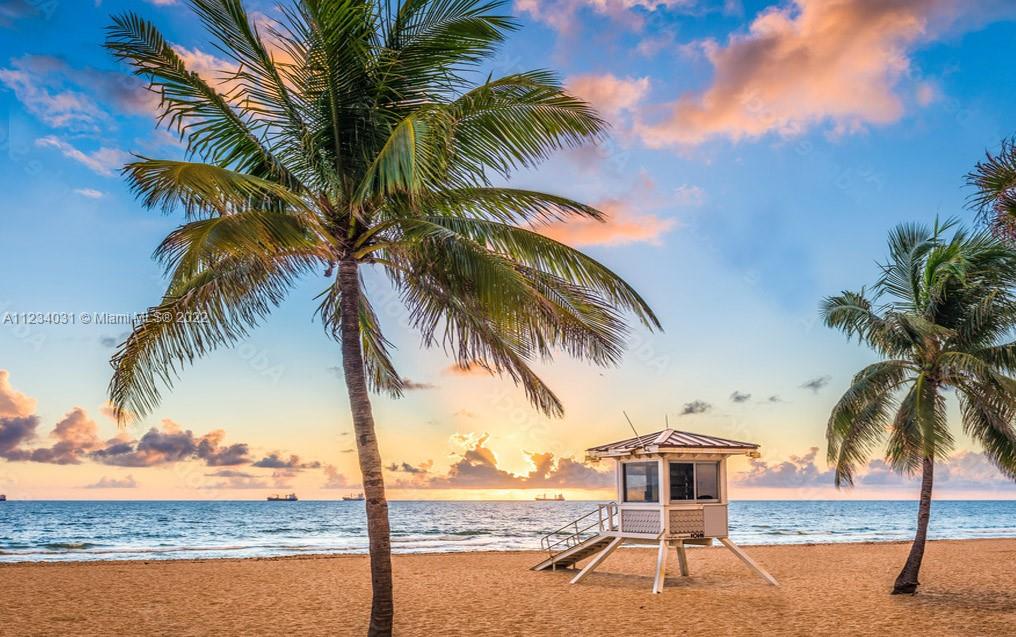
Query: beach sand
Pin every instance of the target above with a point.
(969, 588)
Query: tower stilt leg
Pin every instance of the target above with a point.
(597, 560)
(661, 567)
(682, 559)
(736, 550)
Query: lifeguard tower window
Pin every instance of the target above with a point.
(641, 482)
(694, 481)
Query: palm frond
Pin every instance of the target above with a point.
(517, 121)
(430, 44)
(475, 340)
(203, 244)
(217, 307)
(988, 417)
(508, 205)
(381, 373)
(204, 189)
(859, 419)
(854, 314)
(535, 251)
(929, 410)
(905, 449)
(214, 130)
(994, 181)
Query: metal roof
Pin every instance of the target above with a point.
(672, 439)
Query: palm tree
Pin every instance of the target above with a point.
(359, 135)
(940, 316)
(994, 179)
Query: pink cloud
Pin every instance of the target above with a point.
(607, 93)
(335, 480)
(74, 436)
(814, 62)
(13, 404)
(624, 225)
(467, 370)
(927, 93)
(213, 70)
(628, 220)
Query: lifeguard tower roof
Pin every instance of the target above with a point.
(670, 440)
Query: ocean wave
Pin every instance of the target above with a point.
(69, 546)
(126, 530)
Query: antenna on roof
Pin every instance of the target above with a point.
(630, 423)
(666, 419)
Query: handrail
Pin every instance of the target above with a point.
(606, 520)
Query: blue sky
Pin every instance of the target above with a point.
(759, 154)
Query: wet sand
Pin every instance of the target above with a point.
(968, 588)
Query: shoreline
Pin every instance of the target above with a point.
(537, 554)
(968, 587)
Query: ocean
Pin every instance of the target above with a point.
(149, 530)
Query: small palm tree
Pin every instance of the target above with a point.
(352, 136)
(994, 179)
(941, 316)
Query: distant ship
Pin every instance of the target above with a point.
(543, 498)
(353, 498)
(283, 498)
(3, 498)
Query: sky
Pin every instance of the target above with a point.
(759, 154)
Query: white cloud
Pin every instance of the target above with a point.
(688, 196)
(91, 193)
(562, 15)
(54, 106)
(104, 161)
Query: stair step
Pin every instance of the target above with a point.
(577, 553)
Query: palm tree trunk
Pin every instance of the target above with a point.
(378, 531)
(906, 582)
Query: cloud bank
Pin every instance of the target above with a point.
(966, 470)
(477, 468)
(114, 483)
(841, 64)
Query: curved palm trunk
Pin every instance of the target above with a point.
(906, 582)
(378, 531)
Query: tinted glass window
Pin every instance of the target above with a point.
(641, 482)
(682, 481)
(707, 481)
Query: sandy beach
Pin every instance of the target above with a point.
(969, 588)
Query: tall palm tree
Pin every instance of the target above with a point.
(994, 179)
(352, 134)
(941, 317)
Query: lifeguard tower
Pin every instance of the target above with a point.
(671, 492)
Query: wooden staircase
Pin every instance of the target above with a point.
(570, 556)
(580, 539)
